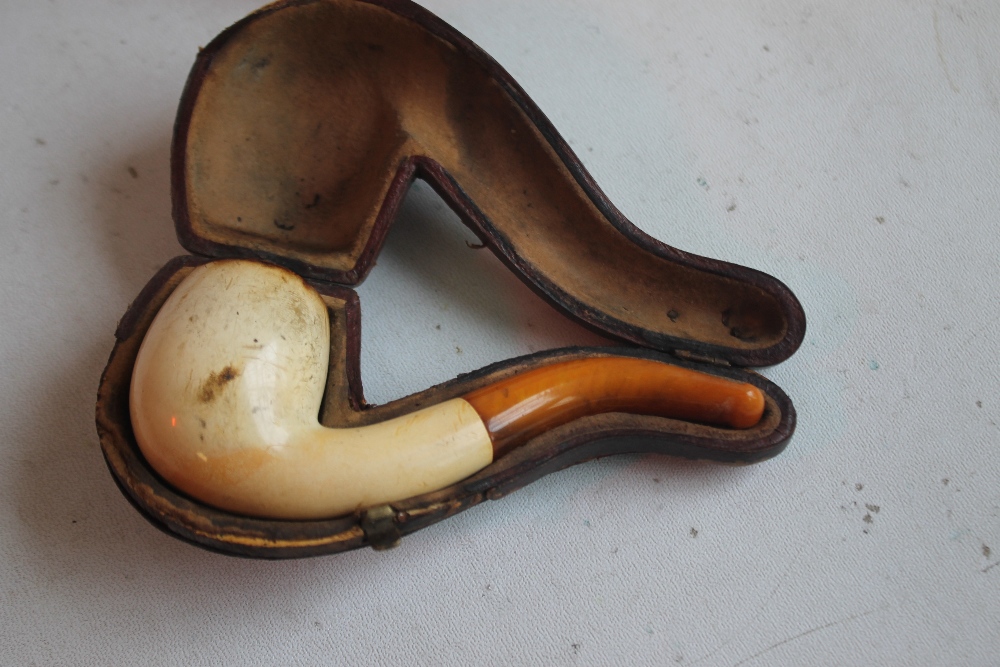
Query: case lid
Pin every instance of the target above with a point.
(302, 126)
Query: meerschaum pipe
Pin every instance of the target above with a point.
(227, 386)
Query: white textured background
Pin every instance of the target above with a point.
(852, 149)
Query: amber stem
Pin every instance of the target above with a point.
(524, 406)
